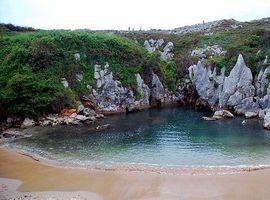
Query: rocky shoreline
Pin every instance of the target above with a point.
(204, 87)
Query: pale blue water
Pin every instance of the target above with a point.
(175, 137)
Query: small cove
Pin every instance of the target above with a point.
(169, 137)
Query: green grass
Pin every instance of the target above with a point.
(32, 65)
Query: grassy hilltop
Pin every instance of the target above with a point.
(32, 62)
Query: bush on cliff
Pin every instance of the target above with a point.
(32, 65)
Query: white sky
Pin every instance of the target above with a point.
(121, 14)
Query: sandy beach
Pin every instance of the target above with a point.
(22, 177)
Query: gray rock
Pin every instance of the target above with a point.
(27, 123)
(89, 112)
(266, 120)
(223, 114)
(208, 51)
(157, 89)
(262, 82)
(77, 56)
(238, 85)
(206, 82)
(264, 102)
(167, 52)
(209, 118)
(79, 76)
(64, 82)
(155, 45)
(81, 118)
(111, 96)
(249, 104)
(144, 91)
(251, 114)
(80, 108)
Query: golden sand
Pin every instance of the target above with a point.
(37, 176)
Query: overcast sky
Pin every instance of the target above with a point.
(121, 14)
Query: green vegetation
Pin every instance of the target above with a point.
(33, 63)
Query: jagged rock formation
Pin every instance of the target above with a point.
(166, 53)
(238, 85)
(144, 91)
(208, 51)
(207, 83)
(110, 95)
(235, 92)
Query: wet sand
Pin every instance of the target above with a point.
(44, 181)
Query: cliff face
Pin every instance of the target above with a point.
(78, 75)
(240, 91)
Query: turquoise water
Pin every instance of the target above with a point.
(174, 137)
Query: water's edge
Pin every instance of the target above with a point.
(203, 170)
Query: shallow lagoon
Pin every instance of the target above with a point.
(171, 137)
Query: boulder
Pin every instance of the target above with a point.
(27, 123)
(81, 118)
(251, 114)
(223, 114)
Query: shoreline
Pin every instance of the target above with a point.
(44, 181)
(166, 170)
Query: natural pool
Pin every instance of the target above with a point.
(171, 137)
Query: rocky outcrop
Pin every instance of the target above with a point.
(220, 114)
(144, 92)
(208, 51)
(27, 123)
(166, 53)
(238, 85)
(207, 83)
(236, 91)
(153, 45)
(70, 117)
(110, 95)
(208, 26)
